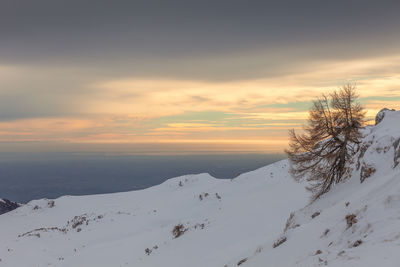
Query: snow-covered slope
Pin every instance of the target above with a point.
(223, 222)
(320, 233)
(223, 219)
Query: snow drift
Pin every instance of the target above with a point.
(261, 218)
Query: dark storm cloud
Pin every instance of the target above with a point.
(53, 52)
(182, 38)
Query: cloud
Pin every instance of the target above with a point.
(192, 41)
(152, 71)
(64, 105)
(27, 92)
(161, 97)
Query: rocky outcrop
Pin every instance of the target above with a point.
(381, 114)
(7, 205)
(396, 158)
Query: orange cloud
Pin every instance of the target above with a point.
(126, 110)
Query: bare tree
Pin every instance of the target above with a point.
(329, 141)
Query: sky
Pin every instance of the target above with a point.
(188, 75)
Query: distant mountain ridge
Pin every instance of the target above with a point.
(7, 205)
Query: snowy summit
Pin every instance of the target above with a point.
(261, 218)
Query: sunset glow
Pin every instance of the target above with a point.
(246, 95)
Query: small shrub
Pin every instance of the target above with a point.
(51, 203)
(178, 230)
(366, 171)
(350, 220)
(242, 261)
(325, 232)
(258, 250)
(148, 251)
(289, 221)
(341, 253)
(200, 225)
(279, 242)
(318, 252)
(79, 220)
(315, 214)
(357, 243)
(35, 231)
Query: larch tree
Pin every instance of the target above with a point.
(330, 139)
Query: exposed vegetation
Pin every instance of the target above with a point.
(329, 141)
(357, 243)
(366, 171)
(315, 214)
(279, 242)
(350, 220)
(242, 261)
(178, 230)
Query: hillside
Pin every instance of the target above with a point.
(223, 222)
(355, 224)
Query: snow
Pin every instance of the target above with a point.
(226, 222)
(218, 227)
(381, 114)
(375, 202)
